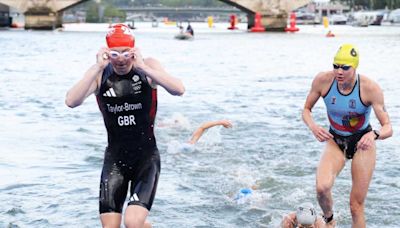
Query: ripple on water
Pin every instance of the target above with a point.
(83, 130)
(21, 114)
(14, 211)
(40, 223)
(79, 190)
(94, 160)
(12, 225)
(18, 186)
(53, 206)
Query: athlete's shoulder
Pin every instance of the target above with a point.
(368, 84)
(370, 89)
(325, 76)
(323, 79)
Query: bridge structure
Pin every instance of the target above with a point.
(47, 14)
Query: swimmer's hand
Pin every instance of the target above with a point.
(321, 134)
(137, 58)
(102, 57)
(225, 123)
(367, 141)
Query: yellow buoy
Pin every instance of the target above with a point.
(325, 21)
(210, 21)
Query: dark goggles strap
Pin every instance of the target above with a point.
(329, 219)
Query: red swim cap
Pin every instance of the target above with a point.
(120, 36)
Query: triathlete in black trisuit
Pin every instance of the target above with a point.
(125, 88)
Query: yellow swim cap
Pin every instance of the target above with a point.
(347, 55)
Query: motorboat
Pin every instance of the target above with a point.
(366, 18)
(184, 36)
(394, 16)
(338, 19)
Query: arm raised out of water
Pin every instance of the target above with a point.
(90, 82)
(157, 74)
(199, 132)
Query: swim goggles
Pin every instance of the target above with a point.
(116, 55)
(344, 67)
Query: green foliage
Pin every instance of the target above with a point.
(111, 12)
(92, 14)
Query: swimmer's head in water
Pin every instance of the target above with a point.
(305, 214)
(347, 55)
(243, 194)
(120, 35)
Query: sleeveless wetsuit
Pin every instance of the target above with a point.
(348, 117)
(128, 105)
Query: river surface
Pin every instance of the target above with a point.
(51, 156)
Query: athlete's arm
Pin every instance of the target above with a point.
(89, 83)
(289, 221)
(315, 93)
(157, 74)
(199, 132)
(378, 104)
(374, 97)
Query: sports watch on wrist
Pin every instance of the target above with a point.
(377, 134)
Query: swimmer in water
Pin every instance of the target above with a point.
(189, 145)
(203, 127)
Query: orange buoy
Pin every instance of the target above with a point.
(330, 34)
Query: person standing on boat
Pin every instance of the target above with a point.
(189, 29)
(125, 86)
(349, 98)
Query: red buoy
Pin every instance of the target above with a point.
(233, 20)
(292, 27)
(257, 24)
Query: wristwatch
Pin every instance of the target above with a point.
(377, 134)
